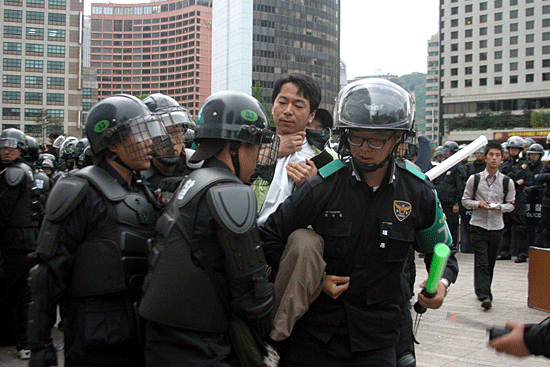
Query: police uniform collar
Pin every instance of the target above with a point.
(390, 175)
(117, 176)
(214, 162)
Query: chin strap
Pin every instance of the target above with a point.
(370, 167)
(234, 152)
(119, 161)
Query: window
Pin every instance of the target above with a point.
(56, 113)
(13, 14)
(498, 68)
(483, 56)
(56, 81)
(546, 22)
(97, 10)
(61, 3)
(482, 81)
(11, 79)
(514, 40)
(468, 20)
(454, 35)
(513, 66)
(108, 10)
(12, 46)
(529, 12)
(454, 71)
(33, 112)
(11, 96)
(513, 27)
(530, 24)
(87, 92)
(498, 55)
(56, 65)
(55, 18)
(498, 80)
(34, 64)
(12, 63)
(498, 29)
(514, 52)
(56, 33)
(498, 42)
(513, 2)
(483, 5)
(546, 36)
(454, 22)
(483, 44)
(529, 64)
(454, 46)
(529, 78)
(498, 16)
(30, 3)
(513, 79)
(529, 38)
(545, 50)
(454, 83)
(35, 33)
(468, 58)
(35, 16)
(483, 31)
(483, 18)
(33, 80)
(468, 70)
(12, 31)
(467, 45)
(545, 77)
(56, 49)
(469, 8)
(513, 14)
(454, 59)
(86, 106)
(11, 112)
(546, 63)
(468, 33)
(530, 51)
(482, 69)
(55, 97)
(33, 97)
(498, 4)
(467, 83)
(34, 47)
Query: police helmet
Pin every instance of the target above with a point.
(528, 141)
(504, 146)
(374, 104)
(67, 148)
(239, 117)
(514, 142)
(78, 151)
(175, 118)
(115, 118)
(47, 163)
(480, 150)
(13, 138)
(32, 149)
(86, 158)
(439, 151)
(535, 149)
(548, 139)
(451, 146)
(58, 141)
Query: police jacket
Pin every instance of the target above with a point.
(516, 169)
(537, 338)
(20, 207)
(367, 236)
(95, 265)
(475, 167)
(450, 185)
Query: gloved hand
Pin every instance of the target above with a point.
(44, 357)
(170, 184)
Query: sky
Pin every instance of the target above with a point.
(377, 36)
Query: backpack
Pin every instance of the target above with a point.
(505, 184)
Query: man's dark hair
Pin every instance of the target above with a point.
(53, 135)
(307, 87)
(493, 145)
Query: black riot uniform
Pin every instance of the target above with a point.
(543, 179)
(533, 195)
(207, 266)
(93, 244)
(20, 211)
(515, 231)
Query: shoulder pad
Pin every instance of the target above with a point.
(412, 169)
(102, 181)
(330, 168)
(233, 206)
(199, 180)
(14, 175)
(72, 190)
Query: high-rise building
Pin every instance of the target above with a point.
(494, 56)
(162, 46)
(258, 41)
(432, 90)
(41, 65)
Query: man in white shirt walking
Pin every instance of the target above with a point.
(488, 194)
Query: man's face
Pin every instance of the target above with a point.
(291, 111)
(128, 149)
(368, 155)
(514, 152)
(493, 158)
(534, 157)
(9, 154)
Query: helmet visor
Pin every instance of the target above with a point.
(267, 159)
(8, 143)
(149, 139)
(176, 116)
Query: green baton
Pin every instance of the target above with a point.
(439, 261)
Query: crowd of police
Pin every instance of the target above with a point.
(529, 223)
(149, 251)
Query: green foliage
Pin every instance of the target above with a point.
(258, 93)
(46, 124)
(487, 120)
(143, 96)
(540, 119)
(417, 82)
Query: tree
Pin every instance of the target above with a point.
(258, 93)
(540, 119)
(143, 96)
(46, 124)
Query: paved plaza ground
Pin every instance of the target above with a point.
(446, 343)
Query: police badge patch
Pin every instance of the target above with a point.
(402, 209)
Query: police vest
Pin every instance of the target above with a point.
(28, 208)
(177, 292)
(113, 258)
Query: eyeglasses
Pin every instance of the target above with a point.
(374, 143)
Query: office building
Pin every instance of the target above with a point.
(41, 65)
(162, 46)
(432, 90)
(494, 56)
(258, 41)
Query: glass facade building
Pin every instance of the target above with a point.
(162, 46)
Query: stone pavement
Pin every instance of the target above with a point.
(442, 342)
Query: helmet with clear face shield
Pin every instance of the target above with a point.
(237, 117)
(120, 117)
(514, 142)
(535, 149)
(33, 150)
(67, 149)
(14, 139)
(78, 152)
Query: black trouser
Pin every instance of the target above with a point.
(545, 221)
(516, 232)
(533, 219)
(486, 246)
(17, 293)
(465, 242)
(452, 222)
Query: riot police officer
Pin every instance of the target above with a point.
(20, 211)
(92, 246)
(197, 279)
(369, 209)
(515, 167)
(533, 196)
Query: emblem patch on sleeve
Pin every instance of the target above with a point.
(402, 209)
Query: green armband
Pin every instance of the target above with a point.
(437, 233)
